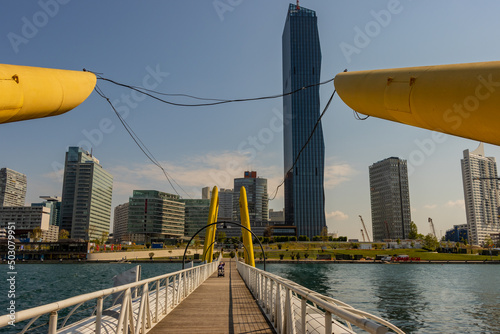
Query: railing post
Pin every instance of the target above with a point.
(53, 322)
(98, 316)
(303, 313)
(277, 308)
(328, 322)
(167, 288)
(157, 300)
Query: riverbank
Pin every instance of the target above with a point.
(274, 261)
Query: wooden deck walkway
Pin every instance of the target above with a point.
(220, 305)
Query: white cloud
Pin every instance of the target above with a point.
(459, 203)
(336, 174)
(192, 173)
(430, 206)
(336, 215)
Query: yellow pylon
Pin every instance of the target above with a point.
(35, 92)
(461, 99)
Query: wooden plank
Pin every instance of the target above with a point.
(219, 305)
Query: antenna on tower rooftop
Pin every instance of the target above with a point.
(298, 7)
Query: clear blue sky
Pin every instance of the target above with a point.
(232, 49)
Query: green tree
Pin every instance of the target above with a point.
(63, 234)
(430, 242)
(36, 234)
(103, 238)
(151, 255)
(414, 232)
(268, 231)
(488, 242)
(221, 237)
(197, 243)
(324, 234)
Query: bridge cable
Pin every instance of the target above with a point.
(140, 144)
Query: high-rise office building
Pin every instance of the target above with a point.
(480, 180)
(154, 216)
(390, 199)
(120, 223)
(304, 192)
(12, 188)
(257, 197)
(86, 198)
(54, 204)
(195, 216)
(225, 213)
(206, 193)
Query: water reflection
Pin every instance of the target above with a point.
(313, 276)
(400, 298)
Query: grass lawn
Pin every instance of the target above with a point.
(415, 253)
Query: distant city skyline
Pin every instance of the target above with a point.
(200, 51)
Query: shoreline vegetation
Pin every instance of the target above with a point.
(297, 252)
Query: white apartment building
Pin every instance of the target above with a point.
(480, 181)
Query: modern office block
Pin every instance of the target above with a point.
(120, 223)
(195, 216)
(258, 202)
(25, 219)
(457, 234)
(390, 199)
(12, 188)
(54, 204)
(226, 202)
(480, 181)
(206, 192)
(155, 216)
(86, 199)
(304, 184)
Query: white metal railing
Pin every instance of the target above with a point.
(144, 303)
(292, 308)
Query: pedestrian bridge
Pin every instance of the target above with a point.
(196, 300)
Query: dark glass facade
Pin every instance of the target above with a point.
(304, 192)
(196, 213)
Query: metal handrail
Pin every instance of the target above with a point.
(294, 307)
(183, 283)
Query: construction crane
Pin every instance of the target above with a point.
(363, 235)
(364, 227)
(432, 227)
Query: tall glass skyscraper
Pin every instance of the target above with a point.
(304, 192)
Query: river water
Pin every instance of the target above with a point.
(418, 298)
